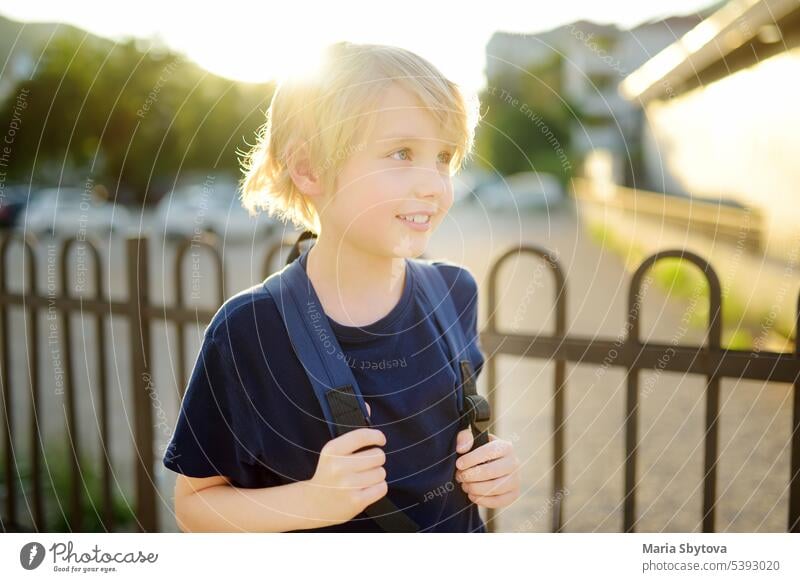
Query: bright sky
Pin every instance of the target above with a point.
(255, 41)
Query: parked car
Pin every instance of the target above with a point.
(467, 182)
(524, 190)
(214, 208)
(70, 211)
(12, 202)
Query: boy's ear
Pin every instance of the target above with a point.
(303, 175)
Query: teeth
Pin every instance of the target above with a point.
(417, 218)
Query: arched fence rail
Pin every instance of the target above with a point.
(139, 312)
(633, 355)
(708, 360)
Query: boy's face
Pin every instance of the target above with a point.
(395, 188)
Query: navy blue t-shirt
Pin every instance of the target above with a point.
(249, 411)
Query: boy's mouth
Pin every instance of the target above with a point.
(415, 218)
(418, 221)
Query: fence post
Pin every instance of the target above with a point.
(139, 321)
(794, 475)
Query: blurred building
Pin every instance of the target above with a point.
(594, 59)
(722, 110)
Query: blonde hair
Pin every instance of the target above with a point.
(328, 111)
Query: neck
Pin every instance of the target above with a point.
(355, 287)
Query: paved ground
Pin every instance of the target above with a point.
(754, 465)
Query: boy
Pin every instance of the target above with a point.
(362, 155)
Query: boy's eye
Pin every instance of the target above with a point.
(444, 157)
(404, 150)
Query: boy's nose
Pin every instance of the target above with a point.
(432, 185)
(431, 192)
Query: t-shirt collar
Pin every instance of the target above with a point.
(382, 327)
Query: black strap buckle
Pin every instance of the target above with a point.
(347, 416)
(476, 411)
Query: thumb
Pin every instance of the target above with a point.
(369, 410)
(464, 441)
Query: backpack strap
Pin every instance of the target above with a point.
(475, 411)
(295, 251)
(332, 379)
(314, 343)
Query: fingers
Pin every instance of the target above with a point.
(486, 471)
(494, 501)
(371, 494)
(366, 460)
(367, 478)
(497, 486)
(354, 440)
(494, 449)
(464, 441)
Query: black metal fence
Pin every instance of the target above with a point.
(709, 360)
(140, 313)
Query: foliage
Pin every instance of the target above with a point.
(118, 114)
(524, 121)
(56, 475)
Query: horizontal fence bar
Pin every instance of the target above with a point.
(751, 365)
(186, 314)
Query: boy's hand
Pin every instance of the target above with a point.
(347, 479)
(489, 475)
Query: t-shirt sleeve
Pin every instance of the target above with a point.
(208, 436)
(469, 317)
(464, 291)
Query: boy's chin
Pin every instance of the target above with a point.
(410, 247)
(415, 255)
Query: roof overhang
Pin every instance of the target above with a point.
(738, 35)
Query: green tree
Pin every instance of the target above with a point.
(525, 122)
(127, 116)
